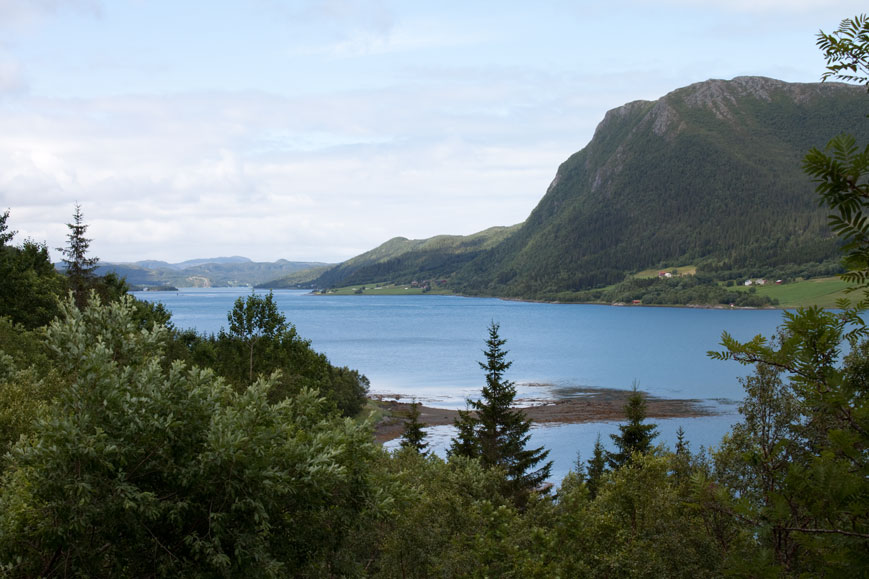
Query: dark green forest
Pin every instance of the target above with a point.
(403, 260)
(132, 449)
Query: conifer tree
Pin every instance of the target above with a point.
(635, 436)
(596, 468)
(79, 267)
(465, 443)
(5, 235)
(414, 435)
(496, 433)
(682, 457)
(681, 443)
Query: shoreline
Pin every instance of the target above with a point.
(627, 305)
(595, 405)
(558, 302)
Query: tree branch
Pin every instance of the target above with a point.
(864, 536)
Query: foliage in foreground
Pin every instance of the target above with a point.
(29, 284)
(794, 471)
(261, 343)
(125, 463)
(136, 470)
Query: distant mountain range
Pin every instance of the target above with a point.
(210, 272)
(708, 175)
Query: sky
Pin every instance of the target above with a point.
(317, 130)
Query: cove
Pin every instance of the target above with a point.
(428, 347)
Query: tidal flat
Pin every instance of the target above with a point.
(586, 405)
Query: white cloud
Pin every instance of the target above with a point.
(21, 18)
(781, 6)
(27, 13)
(272, 175)
(365, 14)
(11, 76)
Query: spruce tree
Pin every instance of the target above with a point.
(496, 433)
(596, 468)
(5, 235)
(465, 443)
(79, 267)
(681, 443)
(635, 436)
(682, 457)
(414, 435)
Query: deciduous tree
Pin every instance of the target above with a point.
(796, 466)
(636, 526)
(847, 50)
(138, 470)
(29, 284)
(254, 318)
(841, 171)
(261, 342)
(795, 469)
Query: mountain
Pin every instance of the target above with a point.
(402, 260)
(213, 272)
(708, 175)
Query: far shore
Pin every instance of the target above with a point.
(557, 302)
(595, 405)
(627, 305)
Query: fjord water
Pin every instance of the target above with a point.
(428, 346)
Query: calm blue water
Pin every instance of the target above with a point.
(428, 347)
(565, 441)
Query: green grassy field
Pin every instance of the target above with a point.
(682, 270)
(383, 290)
(821, 292)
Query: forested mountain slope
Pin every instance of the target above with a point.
(709, 174)
(402, 260)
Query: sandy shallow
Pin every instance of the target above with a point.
(596, 405)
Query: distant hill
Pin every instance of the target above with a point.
(209, 272)
(709, 175)
(402, 260)
(302, 279)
